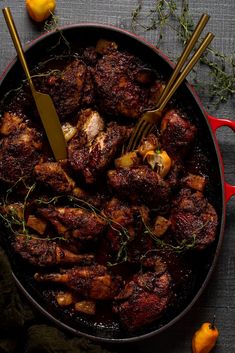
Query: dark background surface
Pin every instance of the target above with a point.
(219, 297)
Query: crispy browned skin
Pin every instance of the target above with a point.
(53, 175)
(20, 149)
(195, 182)
(127, 220)
(177, 134)
(92, 160)
(10, 122)
(144, 299)
(42, 252)
(140, 183)
(72, 90)
(75, 222)
(193, 216)
(122, 86)
(92, 282)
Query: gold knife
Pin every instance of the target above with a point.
(44, 103)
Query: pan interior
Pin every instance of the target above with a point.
(80, 37)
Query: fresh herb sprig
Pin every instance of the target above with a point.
(163, 15)
(52, 24)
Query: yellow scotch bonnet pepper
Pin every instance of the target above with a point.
(205, 338)
(40, 10)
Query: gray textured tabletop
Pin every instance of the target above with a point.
(219, 297)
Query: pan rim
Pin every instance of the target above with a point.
(194, 95)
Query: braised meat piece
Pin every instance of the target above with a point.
(92, 282)
(127, 222)
(144, 299)
(175, 173)
(10, 122)
(72, 90)
(140, 184)
(193, 219)
(89, 125)
(198, 162)
(75, 222)
(177, 134)
(42, 252)
(53, 175)
(179, 268)
(122, 86)
(195, 182)
(92, 160)
(20, 149)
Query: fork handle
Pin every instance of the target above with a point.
(187, 50)
(17, 43)
(197, 55)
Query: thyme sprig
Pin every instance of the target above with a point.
(182, 247)
(53, 24)
(163, 15)
(121, 231)
(48, 73)
(15, 222)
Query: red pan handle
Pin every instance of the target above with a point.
(215, 123)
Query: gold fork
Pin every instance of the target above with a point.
(149, 118)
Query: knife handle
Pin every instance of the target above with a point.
(17, 43)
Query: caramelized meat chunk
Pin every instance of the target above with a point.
(92, 160)
(140, 183)
(43, 253)
(72, 90)
(177, 134)
(9, 123)
(144, 299)
(119, 85)
(196, 182)
(53, 175)
(193, 218)
(75, 222)
(20, 149)
(92, 282)
(125, 218)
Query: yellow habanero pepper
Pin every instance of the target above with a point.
(205, 338)
(40, 10)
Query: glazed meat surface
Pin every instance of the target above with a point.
(117, 79)
(91, 160)
(20, 149)
(193, 217)
(72, 90)
(76, 222)
(42, 252)
(54, 176)
(124, 217)
(177, 134)
(92, 282)
(140, 184)
(143, 300)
